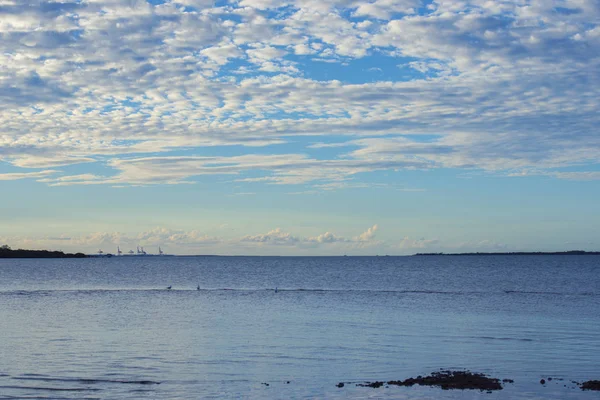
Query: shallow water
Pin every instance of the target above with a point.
(108, 329)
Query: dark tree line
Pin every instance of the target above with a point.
(7, 252)
(518, 253)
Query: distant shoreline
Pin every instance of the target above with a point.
(7, 252)
(519, 253)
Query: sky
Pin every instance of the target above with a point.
(303, 127)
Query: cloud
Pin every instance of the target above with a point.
(385, 9)
(278, 237)
(45, 162)
(503, 87)
(196, 242)
(579, 175)
(408, 243)
(411, 245)
(566, 175)
(11, 176)
(281, 169)
(165, 236)
(368, 234)
(274, 242)
(274, 237)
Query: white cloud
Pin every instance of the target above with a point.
(278, 237)
(579, 175)
(384, 9)
(274, 242)
(274, 237)
(509, 86)
(263, 4)
(408, 243)
(222, 53)
(11, 176)
(195, 242)
(368, 234)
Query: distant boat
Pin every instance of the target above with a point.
(169, 287)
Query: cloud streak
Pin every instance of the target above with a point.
(26, 175)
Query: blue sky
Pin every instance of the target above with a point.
(300, 127)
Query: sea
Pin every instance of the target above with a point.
(296, 327)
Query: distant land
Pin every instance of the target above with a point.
(7, 252)
(519, 253)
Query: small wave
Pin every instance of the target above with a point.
(50, 389)
(86, 380)
(536, 292)
(502, 338)
(546, 293)
(26, 292)
(289, 290)
(6, 397)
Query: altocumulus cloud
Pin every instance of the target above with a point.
(506, 87)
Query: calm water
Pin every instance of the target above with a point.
(95, 328)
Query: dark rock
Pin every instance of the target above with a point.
(549, 378)
(399, 383)
(340, 385)
(590, 385)
(375, 385)
(447, 380)
(508, 381)
(265, 383)
(287, 382)
(543, 381)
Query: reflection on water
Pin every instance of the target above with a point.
(108, 328)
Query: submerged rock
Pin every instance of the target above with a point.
(371, 384)
(447, 380)
(590, 385)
